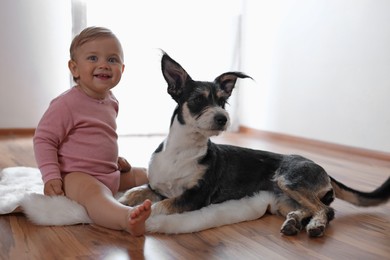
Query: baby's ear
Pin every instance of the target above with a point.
(72, 65)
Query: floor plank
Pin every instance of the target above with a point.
(356, 233)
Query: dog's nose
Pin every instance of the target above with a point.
(220, 120)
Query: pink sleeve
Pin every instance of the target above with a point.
(51, 131)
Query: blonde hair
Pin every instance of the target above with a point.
(90, 34)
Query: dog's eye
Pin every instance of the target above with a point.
(198, 99)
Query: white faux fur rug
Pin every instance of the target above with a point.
(23, 186)
(15, 183)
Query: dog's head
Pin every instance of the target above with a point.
(201, 104)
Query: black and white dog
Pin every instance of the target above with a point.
(212, 184)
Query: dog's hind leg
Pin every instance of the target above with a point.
(321, 214)
(293, 223)
(310, 205)
(295, 216)
(316, 226)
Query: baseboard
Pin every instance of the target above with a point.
(293, 140)
(300, 141)
(17, 131)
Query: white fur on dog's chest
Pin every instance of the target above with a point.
(170, 172)
(176, 167)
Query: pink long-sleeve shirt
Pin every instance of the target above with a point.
(78, 133)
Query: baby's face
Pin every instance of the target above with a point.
(98, 65)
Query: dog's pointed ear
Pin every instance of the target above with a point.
(227, 81)
(174, 75)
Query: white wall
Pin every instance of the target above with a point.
(35, 37)
(321, 67)
(194, 33)
(322, 70)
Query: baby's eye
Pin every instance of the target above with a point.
(113, 60)
(92, 58)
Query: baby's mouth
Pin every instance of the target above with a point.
(102, 76)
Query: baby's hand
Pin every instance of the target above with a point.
(123, 165)
(53, 188)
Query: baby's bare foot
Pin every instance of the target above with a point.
(137, 218)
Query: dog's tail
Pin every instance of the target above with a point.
(364, 199)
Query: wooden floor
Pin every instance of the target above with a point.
(355, 233)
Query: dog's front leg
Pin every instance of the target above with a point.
(137, 195)
(166, 207)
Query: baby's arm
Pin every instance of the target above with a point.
(53, 187)
(50, 133)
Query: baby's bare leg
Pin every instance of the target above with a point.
(102, 207)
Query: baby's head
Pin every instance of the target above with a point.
(91, 34)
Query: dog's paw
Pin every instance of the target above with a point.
(317, 231)
(291, 227)
(316, 226)
(138, 195)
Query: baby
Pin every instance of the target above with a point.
(75, 142)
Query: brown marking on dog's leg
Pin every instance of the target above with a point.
(138, 195)
(313, 205)
(294, 216)
(318, 210)
(293, 223)
(166, 207)
(317, 225)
